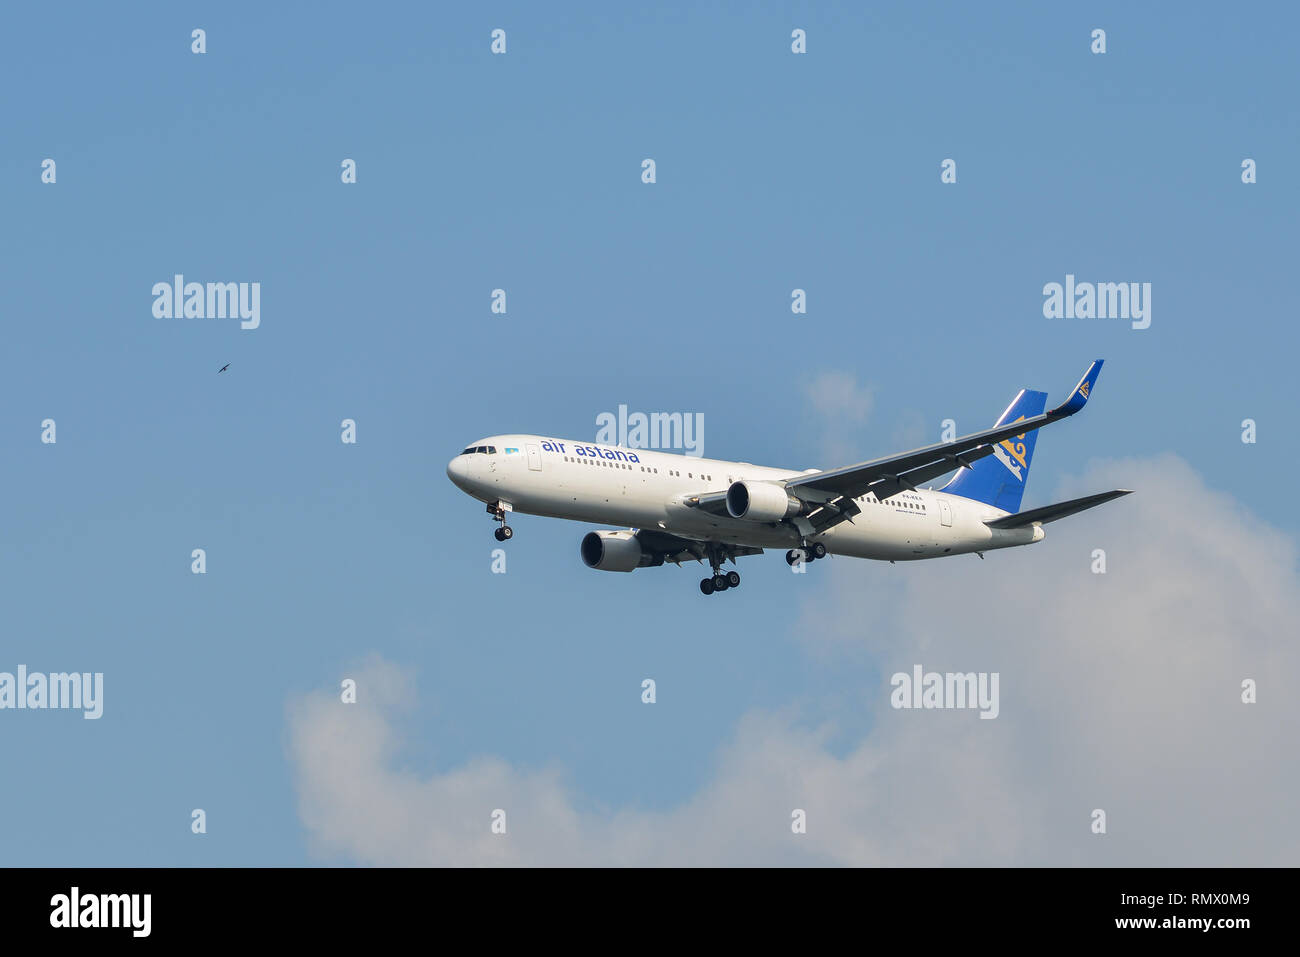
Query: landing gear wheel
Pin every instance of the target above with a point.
(733, 579)
(794, 555)
(720, 582)
(818, 550)
(498, 513)
(706, 586)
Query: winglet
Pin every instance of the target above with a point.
(1079, 397)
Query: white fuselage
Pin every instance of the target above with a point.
(613, 486)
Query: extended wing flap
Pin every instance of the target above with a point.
(1050, 513)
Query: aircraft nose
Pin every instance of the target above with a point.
(458, 471)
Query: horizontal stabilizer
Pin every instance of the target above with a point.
(1050, 513)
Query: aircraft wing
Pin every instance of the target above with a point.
(1050, 513)
(835, 490)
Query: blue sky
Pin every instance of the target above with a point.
(522, 171)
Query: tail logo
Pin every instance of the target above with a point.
(1083, 388)
(1006, 451)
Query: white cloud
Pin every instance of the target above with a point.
(1119, 691)
(837, 398)
(837, 395)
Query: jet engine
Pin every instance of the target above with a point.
(615, 552)
(761, 502)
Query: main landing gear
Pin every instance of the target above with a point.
(505, 532)
(809, 553)
(719, 581)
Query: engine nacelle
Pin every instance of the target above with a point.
(615, 552)
(761, 502)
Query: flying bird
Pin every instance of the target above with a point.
(223, 368)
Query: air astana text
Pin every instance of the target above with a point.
(594, 451)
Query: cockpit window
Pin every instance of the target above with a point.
(469, 451)
(491, 450)
(480, 450)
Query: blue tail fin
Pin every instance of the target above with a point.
(999, 479)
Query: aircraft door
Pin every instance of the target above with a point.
(534, 457)
(945, 512)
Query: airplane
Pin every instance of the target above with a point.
(679, 508)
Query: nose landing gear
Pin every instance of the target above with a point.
(498, 512)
